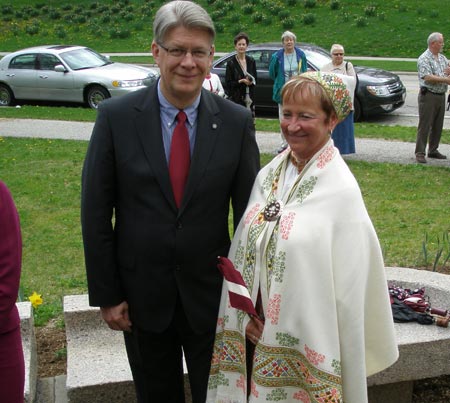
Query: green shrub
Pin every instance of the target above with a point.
(127, 16)
(235, 17)
(18, 15)
(257, 17)
(105, 18)
(283, 14)
(218, 14)
(291, 3)
(309, 19)
(60, 32)
(220, 28)
(247, 8)
(335, 5)
(80, 19)
(370, 11)
(117, 33)
(32, 29)
(54, 15)
(361, 22)
(7, 9)
(288, 23)
(310, 3)
(434, 13)
(66, 7)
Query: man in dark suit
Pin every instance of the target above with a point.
(151, 248)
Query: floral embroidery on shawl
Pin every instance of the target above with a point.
(253, 389)
(326, 156)
(251, 214)
(241, 383)
(286, 340)
(302, 396)
(286, 223)
(305, 189)
(279, 367)
(313, 356)
(273, 309)
(336, 364)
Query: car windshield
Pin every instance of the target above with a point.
(316, 58)
(86, 58)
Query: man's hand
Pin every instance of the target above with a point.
(117, 317)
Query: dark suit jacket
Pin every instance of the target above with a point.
(10, 261)
(151, 251)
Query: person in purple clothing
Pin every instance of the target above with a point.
(12, 367)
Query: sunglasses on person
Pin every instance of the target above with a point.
(338, 54)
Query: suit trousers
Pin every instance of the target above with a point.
(431, 121)
(156, 361)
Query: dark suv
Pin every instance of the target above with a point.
(378, 91)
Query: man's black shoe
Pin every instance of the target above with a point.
(437, 155)
(420, 158)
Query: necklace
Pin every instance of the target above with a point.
(290, 59)
(299, 164)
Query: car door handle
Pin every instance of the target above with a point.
(10, 75)
(43, 76)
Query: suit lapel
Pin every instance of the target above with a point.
(148, 127)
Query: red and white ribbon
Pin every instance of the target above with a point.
(237, 289)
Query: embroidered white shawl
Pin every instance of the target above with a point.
(328, 322)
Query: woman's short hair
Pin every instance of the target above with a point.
(241, 35)
(288, 34)
(303, 88)
(336, 46)
(181, 14)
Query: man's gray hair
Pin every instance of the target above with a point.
(434, 37)
(181, 14)
(288, 34)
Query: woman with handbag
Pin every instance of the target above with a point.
(240, 74)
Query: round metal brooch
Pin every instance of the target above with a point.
(273, 210)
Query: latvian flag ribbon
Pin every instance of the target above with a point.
(237, 290)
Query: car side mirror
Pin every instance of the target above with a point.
(60, 68)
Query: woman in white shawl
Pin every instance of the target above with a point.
(311, 261)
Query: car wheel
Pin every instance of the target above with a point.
(95, 95)
(357, 113)
(6, 96)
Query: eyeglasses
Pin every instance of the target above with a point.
(338, 54)
(197, 54)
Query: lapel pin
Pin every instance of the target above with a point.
(214, 125)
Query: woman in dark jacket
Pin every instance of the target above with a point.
(240, 76)
(12, 370)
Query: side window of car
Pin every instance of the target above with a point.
(222, 64)
(262, 59)
(24, 62)
(48, 61)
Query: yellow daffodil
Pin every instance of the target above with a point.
(35, 299)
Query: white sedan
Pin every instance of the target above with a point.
(67, 74)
